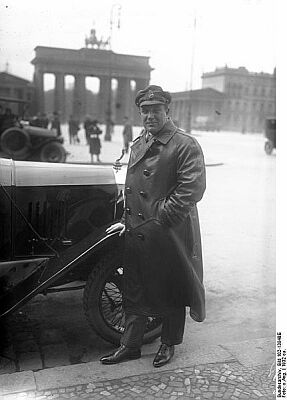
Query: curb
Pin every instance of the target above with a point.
(248, 353)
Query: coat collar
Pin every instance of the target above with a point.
(167, 132)
(140, 147)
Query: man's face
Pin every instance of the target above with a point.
(153, 117)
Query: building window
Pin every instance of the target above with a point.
(239, 90)
(19, 93)
(228, 89)
(4, 91)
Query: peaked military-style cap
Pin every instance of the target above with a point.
(152, 94)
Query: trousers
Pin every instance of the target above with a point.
(171, 334)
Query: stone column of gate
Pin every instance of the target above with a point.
(140, 84)
(79, 97)
(124, 105)
(39, 88)
(103, 96)
(59, 95)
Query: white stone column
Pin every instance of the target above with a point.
(59, 95)
(39, 88)
(79, 97)
(124, 106)
(103, 96)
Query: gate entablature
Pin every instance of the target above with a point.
(100, 63)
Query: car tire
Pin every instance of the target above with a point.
(53, 152)
(103, 303)
(15, 142)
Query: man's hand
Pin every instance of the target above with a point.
(116, 227)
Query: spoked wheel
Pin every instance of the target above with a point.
(103, 303)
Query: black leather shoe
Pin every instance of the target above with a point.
(123, 353)
(163, 356)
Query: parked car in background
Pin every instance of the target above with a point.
(270, 134)
(25, 142)
(52, 234)
(20, 140)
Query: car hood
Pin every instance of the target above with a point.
(27, 173)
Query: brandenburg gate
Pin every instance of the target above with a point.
(90, 62)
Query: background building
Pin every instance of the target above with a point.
(198, 109)
(231, 99)
(17, 94)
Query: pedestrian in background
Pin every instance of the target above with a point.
(73, 130)
(163, 271)
(87, 123)
(94, 141)
(112, 126)
(55, 123)
(127, 134)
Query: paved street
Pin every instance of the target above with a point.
(226, 380)
(51, 336)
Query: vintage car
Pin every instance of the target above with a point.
(52, 236)
(22, 141)
(25, 142)
(270, 135)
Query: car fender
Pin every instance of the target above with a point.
(38, 143)
(52, 270)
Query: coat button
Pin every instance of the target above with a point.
(146, 172)
(141, 215)
(142, 193)
(140, 236)
(128, 190)
(128, 211)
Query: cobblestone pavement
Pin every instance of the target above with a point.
(227, 381)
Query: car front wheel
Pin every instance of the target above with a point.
(53, 152)
(103, 303)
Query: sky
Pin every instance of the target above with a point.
(183, 38)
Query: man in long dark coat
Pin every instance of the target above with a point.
(162, 259)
